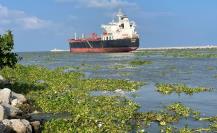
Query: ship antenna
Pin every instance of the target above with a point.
(120, 10)
(120, 14)
(75, 35)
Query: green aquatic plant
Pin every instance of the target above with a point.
(170, 129)
(179, 109)
(124, 74)
(179, 53)
(167, 129)
(182, 110)
(215, 76)
(213, 126)
(162, 118)
(191, 53)
(166, 117)
(116, 67)
(210, 119)
(96, 114)
(139, 62)
(148, 52)
(186, 130)
(210, 68)
(179, 88)
(59, 91)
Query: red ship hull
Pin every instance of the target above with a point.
(102, 50)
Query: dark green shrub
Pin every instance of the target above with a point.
(7, 56)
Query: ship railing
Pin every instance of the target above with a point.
(89, 44)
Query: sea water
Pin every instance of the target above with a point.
(194, 72)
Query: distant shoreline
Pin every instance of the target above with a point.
(139, 49)
(187, 47)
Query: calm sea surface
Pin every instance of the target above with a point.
(192, 72)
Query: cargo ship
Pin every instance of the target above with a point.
(120, 35)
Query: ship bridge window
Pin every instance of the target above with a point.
(122, 26)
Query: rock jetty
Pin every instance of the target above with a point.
(11, 120)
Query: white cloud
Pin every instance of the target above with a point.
(3, 11)
(157, 14)
(101, 3)
(33, 23)
(20, 18)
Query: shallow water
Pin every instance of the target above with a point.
(192, 72)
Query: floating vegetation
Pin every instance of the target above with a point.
(186, 130)
(184, 53)
(191, 53)
(210, 119)
(169, 115)
(123, 74)
(215, 76)
(140, 62)
(179, 88)
(181, 110)
(118, 67)
(210, 68)
(213, 126)
(109, 84)
(57, 91)
(147, 52)
(172, 114)
(66, 90)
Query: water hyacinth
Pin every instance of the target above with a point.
(169, 115)
(55, 91)
(179, 88)
(182, 110)
(59, 91)
(180, 53)
(191, 53)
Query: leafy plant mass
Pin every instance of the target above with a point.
(183, 53)
(54, 91)
(191, 53)
(179, 88)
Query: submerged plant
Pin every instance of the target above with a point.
(140, 62)
(116, 67)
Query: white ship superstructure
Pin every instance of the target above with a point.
(121, 28)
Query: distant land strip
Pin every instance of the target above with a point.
(187, 47)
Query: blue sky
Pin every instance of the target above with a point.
(40, 25)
